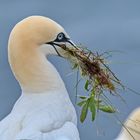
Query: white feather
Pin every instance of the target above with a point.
(36, 116)
(44, 110)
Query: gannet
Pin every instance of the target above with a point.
(44, 110)
(132, 127)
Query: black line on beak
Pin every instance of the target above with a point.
(53, 44)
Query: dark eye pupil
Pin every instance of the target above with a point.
(60, 36)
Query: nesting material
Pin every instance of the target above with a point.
(99, 80)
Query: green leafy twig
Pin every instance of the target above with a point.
(99, 79)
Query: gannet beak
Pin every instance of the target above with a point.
(71, 43)
(66, 43)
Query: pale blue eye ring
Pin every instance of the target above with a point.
(60, 36)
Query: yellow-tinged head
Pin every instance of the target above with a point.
(132, 127)
(29, 42)
(133, 122)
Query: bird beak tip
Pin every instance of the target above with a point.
(71, 42)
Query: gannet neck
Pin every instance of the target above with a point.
(32, 69)
(29, 42)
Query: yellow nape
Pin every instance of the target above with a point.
(132, 127)
(29, 65)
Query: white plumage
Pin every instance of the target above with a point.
(46, 116)
(44, 110)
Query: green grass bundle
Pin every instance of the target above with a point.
(99, 79)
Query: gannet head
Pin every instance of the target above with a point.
(132, 126)
(29, 42)
(133, 122)
(40, 32)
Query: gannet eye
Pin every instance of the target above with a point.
(61, 37)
